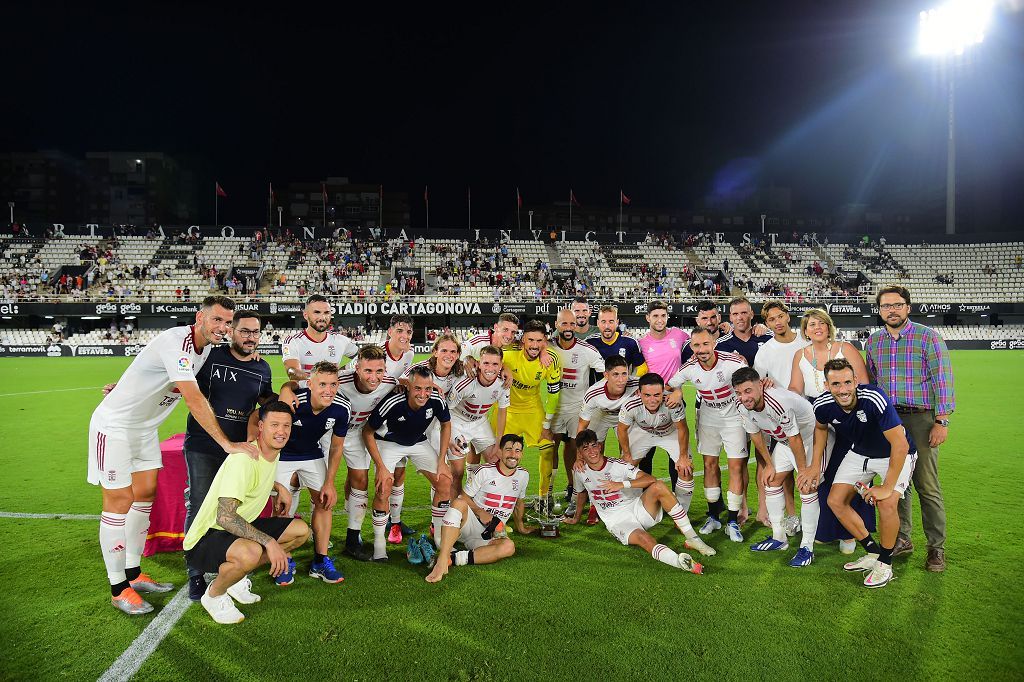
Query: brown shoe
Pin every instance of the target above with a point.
(936, 562)
(902, 547)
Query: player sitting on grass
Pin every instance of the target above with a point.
(630, 502)
(475, 517)
(228, 538)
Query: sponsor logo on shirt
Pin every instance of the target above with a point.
(184, 363)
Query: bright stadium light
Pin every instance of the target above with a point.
(953, 27)
(946, 32)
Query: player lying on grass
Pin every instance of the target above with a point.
(227, 536)
(477, 516)
(630, 502)
(880, 444)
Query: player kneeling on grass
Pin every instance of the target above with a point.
(630, 502)
(476, 516)
(788, 419)
(865, 416)
(228, 538)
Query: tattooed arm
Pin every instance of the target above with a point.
(229, 520)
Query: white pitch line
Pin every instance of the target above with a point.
(128, 663)
(52, 390)
(70, 517)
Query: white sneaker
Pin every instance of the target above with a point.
(847, 546)
(241, 592)
(865, 563)
(879, 576)
(701, 546)
(792, 525)
(732, 531)
(711, 524)
(221, 609)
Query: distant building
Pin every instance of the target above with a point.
(350, 205)
(45, 186)
(139, 188)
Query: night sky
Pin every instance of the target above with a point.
(671, 102)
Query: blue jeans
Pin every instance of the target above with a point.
(202, 467)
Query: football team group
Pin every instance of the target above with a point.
(843, 434)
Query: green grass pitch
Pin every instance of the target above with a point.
(579, 607)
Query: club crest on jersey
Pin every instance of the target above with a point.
(330, 424)
(622, 352)
(861, 416)
(721, 377)
(537, 377)
(330, 351)
(429, 413)
(575, 358)
(672, 342)
(515, 485)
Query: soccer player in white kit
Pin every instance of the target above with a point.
(316, 343)
(469, 401)
(478, 515)
(718, 425)
(646, 422)
(789, 419)
(774, 362)
(630, 502)
(601, 404)
(578, 358)
(502, 333)
(124, 447)
(399, 357)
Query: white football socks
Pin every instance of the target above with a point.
(684, 494)
(112, 544)
(775, 500)
(395, 502)
(665, 555)
(358, 501)
(809, 512)
(136, 529)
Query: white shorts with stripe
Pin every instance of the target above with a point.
(856, 468)
(422, 455)
(115, 454)
(712, 438)
(622, 522)
(640, 445)
(311, 472)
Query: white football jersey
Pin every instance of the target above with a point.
(362, 404)
(635, 415)
(714, 387)
(774, 360)
(472, 345)
(598, 405)
(470, 400)
(446, 383)
(495, 492)
(397, 367)
(607, 501)
(785, 414)
(145, 394)
(576, 361)
(333, 348)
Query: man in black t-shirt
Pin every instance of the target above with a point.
(234, 383)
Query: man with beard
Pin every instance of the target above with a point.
(609, 341)
(124, 444)
(478, 515)
(234, 382)
(578, 359)
(581, 315)
(910, 361)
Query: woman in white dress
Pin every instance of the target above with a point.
(808, 379)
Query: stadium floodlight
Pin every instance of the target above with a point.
(946, 32)
(953, 27)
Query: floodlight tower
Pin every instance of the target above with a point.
(946, 32)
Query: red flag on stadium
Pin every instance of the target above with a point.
(519, 199)
(220, 190)
(623, 198)
(572, 199)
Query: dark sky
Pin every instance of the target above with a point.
(669, 101)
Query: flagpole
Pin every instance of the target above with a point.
(216, 198)
(469, 209)
(323, 197)
(519, 209)
(620, 210)
(380, 209)
(570, 209)
(426, 200)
